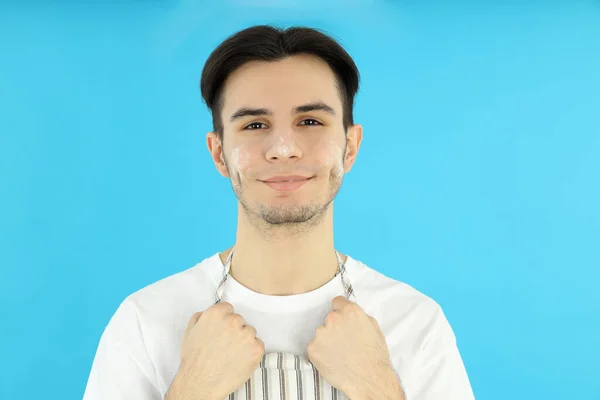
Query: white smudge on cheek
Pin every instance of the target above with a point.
(334, 157)
(241, 161)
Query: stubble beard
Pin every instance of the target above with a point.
(286, 220)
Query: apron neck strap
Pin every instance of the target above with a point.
(348, 289)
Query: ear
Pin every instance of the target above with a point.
(353, 140)
(215, 148)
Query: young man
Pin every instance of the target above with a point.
(281, 314)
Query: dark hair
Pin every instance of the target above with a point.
(268, 43)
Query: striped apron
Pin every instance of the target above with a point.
(282, 376)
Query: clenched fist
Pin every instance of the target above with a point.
(219, 353)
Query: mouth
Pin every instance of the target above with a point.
(286, 183)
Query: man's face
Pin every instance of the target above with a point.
(284, 146)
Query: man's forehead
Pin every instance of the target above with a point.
(274, 85)
(289, 103)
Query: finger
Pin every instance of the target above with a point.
(332, 317)
(377, 327)
(193, 321)
(237, 320)
(262, 345)
(225, 307)
(375, 323)
(339, 302)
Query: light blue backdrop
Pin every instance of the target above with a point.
(478, 181)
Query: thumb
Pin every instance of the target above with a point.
(192, 322)
(377, 327)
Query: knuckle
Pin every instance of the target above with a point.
(195, 316)
(236, 320)
(332, 317)
(352, 307)
(225, 307)
(258, 348)
(249, 332)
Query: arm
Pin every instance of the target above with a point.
(181, 388)
(177, 389)
(384, 385)
(439, 372)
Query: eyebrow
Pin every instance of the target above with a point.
(256, 112)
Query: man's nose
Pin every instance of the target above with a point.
(283, 146)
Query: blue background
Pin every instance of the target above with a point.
(478, 181)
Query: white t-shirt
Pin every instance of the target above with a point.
(139, 351)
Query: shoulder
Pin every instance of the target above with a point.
(415, 326)
(171, 298)
(398, 305)
(378, 287)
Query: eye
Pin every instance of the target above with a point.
(313, 122)
(254, 126)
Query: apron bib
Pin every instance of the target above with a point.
(283, 376)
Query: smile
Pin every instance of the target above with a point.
(283, 184)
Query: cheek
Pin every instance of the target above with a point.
(243, 161)
(331, 156)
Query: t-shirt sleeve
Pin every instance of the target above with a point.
(121, 368)
(439, 371)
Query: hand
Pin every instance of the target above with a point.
(218, 354)
(350, 350)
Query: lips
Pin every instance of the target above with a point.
(286, 183)
(286, 178)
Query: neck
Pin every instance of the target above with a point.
(283, 263)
